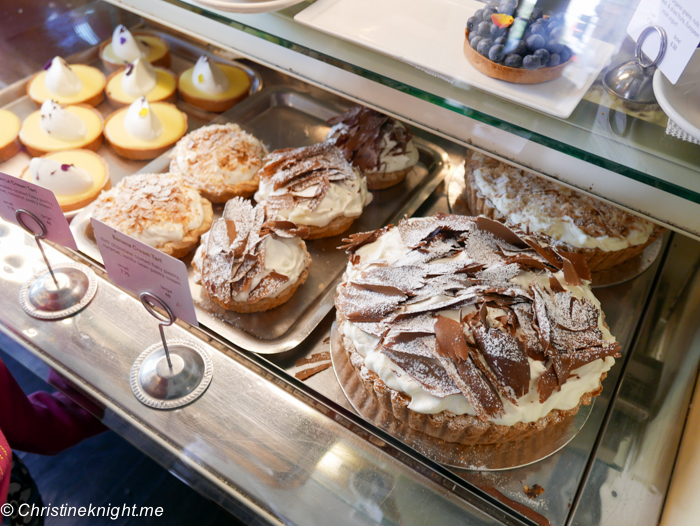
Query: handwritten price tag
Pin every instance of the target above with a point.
(139, 268)
(16, 193)
(681, 21)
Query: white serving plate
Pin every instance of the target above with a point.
(681, 102)
(247, 6)
(429, 34)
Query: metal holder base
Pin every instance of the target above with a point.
(40, 298)
(161, 386)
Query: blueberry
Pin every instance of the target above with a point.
(538, 29)
(497, 31)
(543, 55)
(472, 23)
(531, 62)
(564, 54)
(496, 53)
(535, 42)
(555, 31)
(488, 11)
(542, 20)
(484, 46)
(520, 49)
(474, 42)
(553, 46)
(479, 15)
(513, 61)
(554, 60)
(501, 41)
(484, 29)
(506, 8)
(536, 13)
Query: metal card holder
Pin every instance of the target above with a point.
(61, 290)
(169, 376)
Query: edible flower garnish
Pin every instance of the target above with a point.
(502, 20)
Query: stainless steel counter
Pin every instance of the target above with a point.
(276, 450)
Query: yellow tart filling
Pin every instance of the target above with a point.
(172, 121)
(238, 84)
(155, 49)
(9, 127)
(165, 87)
(33, 136)
(93, 83)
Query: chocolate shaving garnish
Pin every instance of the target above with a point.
(579, 263)
(570, 274)
(316, 357)
(359, 304)
(554, 283)
(501, 231)
(308, 373)
(533, 491)
(450, 339)
(356, 241)
(267, 286)
(426, 371)
(505, 357)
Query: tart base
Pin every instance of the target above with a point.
(380, 181)
(244, 189)
(596, 259)
(514, 75)
(373, 397)
(179, 249)
(334, 228)
(10, 149)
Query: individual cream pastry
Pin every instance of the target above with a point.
(9, 135)
(67, 84)
(470, 331)
(125, 48)
(159, 210)
(55, 127)
(140, 79)
(76, 177)
(144, 131)
(606, 236)
(219, 160)
(212, 86)
(249, 263)
(378, 145)
(313, 186)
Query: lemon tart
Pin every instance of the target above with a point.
(140, 79)
(125, 47)
(213, 87)
(144, 131)
(76, 177)
(54, 128)
(74, 84)
(9, 132)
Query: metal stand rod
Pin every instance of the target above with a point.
(148, 300)
(37, 237)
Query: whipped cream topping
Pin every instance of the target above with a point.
(60, 78)
(61, 179)
(217, 155)
(208, 78)
(246, 257)
(312, 185)
(563, 214)
(153, 208)
(390, 249)
(125, 46)
(141, 122)
(59, 123)
(139, 78)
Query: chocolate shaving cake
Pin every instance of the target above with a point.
(469, 330)
(375, 143)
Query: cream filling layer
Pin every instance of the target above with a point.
(559, 228)
(61, 179)
(61, 124)
(389, 248)
(141, 122)
(139, 78)
(125, 46)
(346, 198)
(208, 78)
(61, 80)
(163, 232)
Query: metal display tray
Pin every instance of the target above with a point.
(184, 54)
(282, 117)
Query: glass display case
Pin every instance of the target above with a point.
(274, 449)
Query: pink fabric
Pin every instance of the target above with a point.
(39, 423)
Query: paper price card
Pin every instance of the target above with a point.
(16, 193)
(681, 21)
(137, 267)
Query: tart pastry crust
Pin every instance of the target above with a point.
(9, 136)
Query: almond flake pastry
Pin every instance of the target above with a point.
(220, 160)
(471, 331)
(249, 263)
(159, 210)
(313, 186)
(377, 144)
(606, 236)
